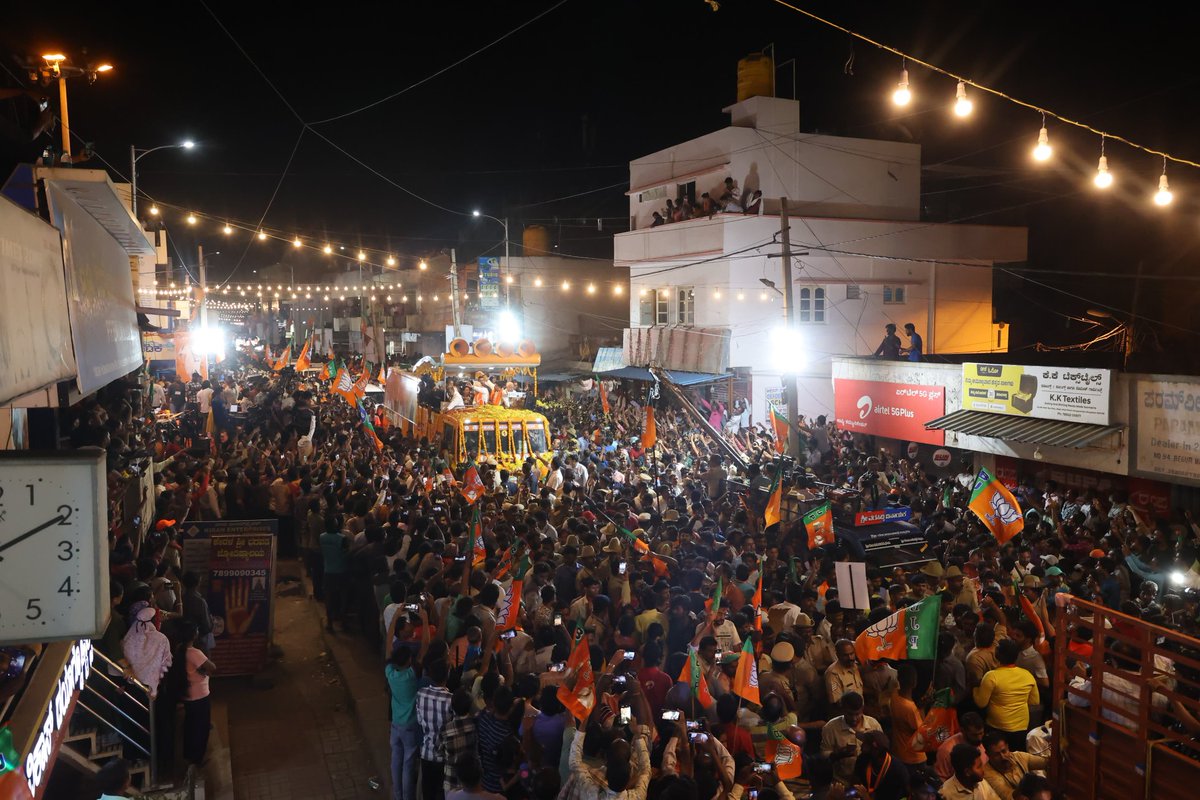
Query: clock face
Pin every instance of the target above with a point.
(53, 550)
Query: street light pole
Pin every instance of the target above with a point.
(136, 156)
(507, 269)
(790, 382)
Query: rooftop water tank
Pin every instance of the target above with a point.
(755, 76)
(535, 240)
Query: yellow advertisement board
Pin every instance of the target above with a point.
(1067, 394)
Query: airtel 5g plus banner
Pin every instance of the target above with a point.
(895, 410)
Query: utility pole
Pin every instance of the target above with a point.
(507, 269)
(1131, 326)
(203, 286)
(64, 117)
(790, 384)
(454, 290)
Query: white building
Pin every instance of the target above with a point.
(862, 256)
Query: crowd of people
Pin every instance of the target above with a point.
(728, 199)
(561, 635)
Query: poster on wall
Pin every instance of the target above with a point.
(158, 346)
(1058, 393)
(240, 590)
(895, 410)
(1168, 429)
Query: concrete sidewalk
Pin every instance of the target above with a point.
(292, 733)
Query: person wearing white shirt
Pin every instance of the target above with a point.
(554, 480)
(204, 397)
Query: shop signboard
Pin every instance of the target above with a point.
(241, 585)
(158, 346)
(235, 561)
(1168, 429)
(489, 282)
(895, 410)
(898, 514)
(1057, 393)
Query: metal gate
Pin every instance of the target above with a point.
(1129, 730)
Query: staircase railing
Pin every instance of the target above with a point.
(123, 705)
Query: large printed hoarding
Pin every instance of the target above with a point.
(1058, 393)
(895, 410)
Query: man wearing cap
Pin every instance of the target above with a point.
(961, 589)
(775, 680)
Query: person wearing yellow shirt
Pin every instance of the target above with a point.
(1007, 692)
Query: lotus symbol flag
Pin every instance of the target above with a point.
(1004, 510)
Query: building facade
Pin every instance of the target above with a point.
(862, 258)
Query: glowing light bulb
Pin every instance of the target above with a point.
(1043, 151)
(618, 289)
(741, 295)
(1163, 196)
(962, 106)
(762, 296)
(508, 279)
(296, 242)
(418, 298)
(191, 219)
(591, 288)
(154, 211)
(228, 230)
(435, 298)
(262, 236)
(388, 298)
(1104, 178)
(391, 261)
(361, 255)
(566, 285)
(717, 294)
(537, 282)
(423, 265)
(902, 96)
(641, 292)
(404, 298)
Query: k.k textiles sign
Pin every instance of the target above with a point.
(1069, 395)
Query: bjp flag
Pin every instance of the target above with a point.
(284, 359)
(578, 692)
(604, 398)
(819, 524)
(993, 503)
(781, 426)
(912, 632)
(649, 430)
(745, 681)
(693, 676)
(784, 754)
(773, 513)
(478, 548)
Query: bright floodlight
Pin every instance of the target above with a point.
(189, 144)
(787, 353)
(475, 213)
(210, 341)
(508, 327)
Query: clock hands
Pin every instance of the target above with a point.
(27, 534)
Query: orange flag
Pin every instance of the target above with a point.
(284, 359)
(782, 428)
(302, 362)
(995, 505)
(694, 677)
(324, 373)
(774, 503)
(745, 681)
(650, 431)
(604, 398)
(578, 692)
(382, 374)
(819, 524)
(912, 632)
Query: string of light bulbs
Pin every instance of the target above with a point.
(963, 106)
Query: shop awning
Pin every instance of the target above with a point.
(1051, 433)
(678, 377)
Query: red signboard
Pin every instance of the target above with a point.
(1150, 497)
(895, 410)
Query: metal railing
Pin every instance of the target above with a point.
(1127, 696)
(103, 697)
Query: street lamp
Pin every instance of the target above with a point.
(56, 67)
(136, 155)
(507, 269)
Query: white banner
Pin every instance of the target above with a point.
(35, 331)
(1168, 429)
(852, 586)
(99, 295)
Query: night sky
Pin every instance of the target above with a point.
(561, 106)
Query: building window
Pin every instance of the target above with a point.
(812, 304)
(853, 292)
(685, 313)
(662, 307)
(686, 191)
(893, 295)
